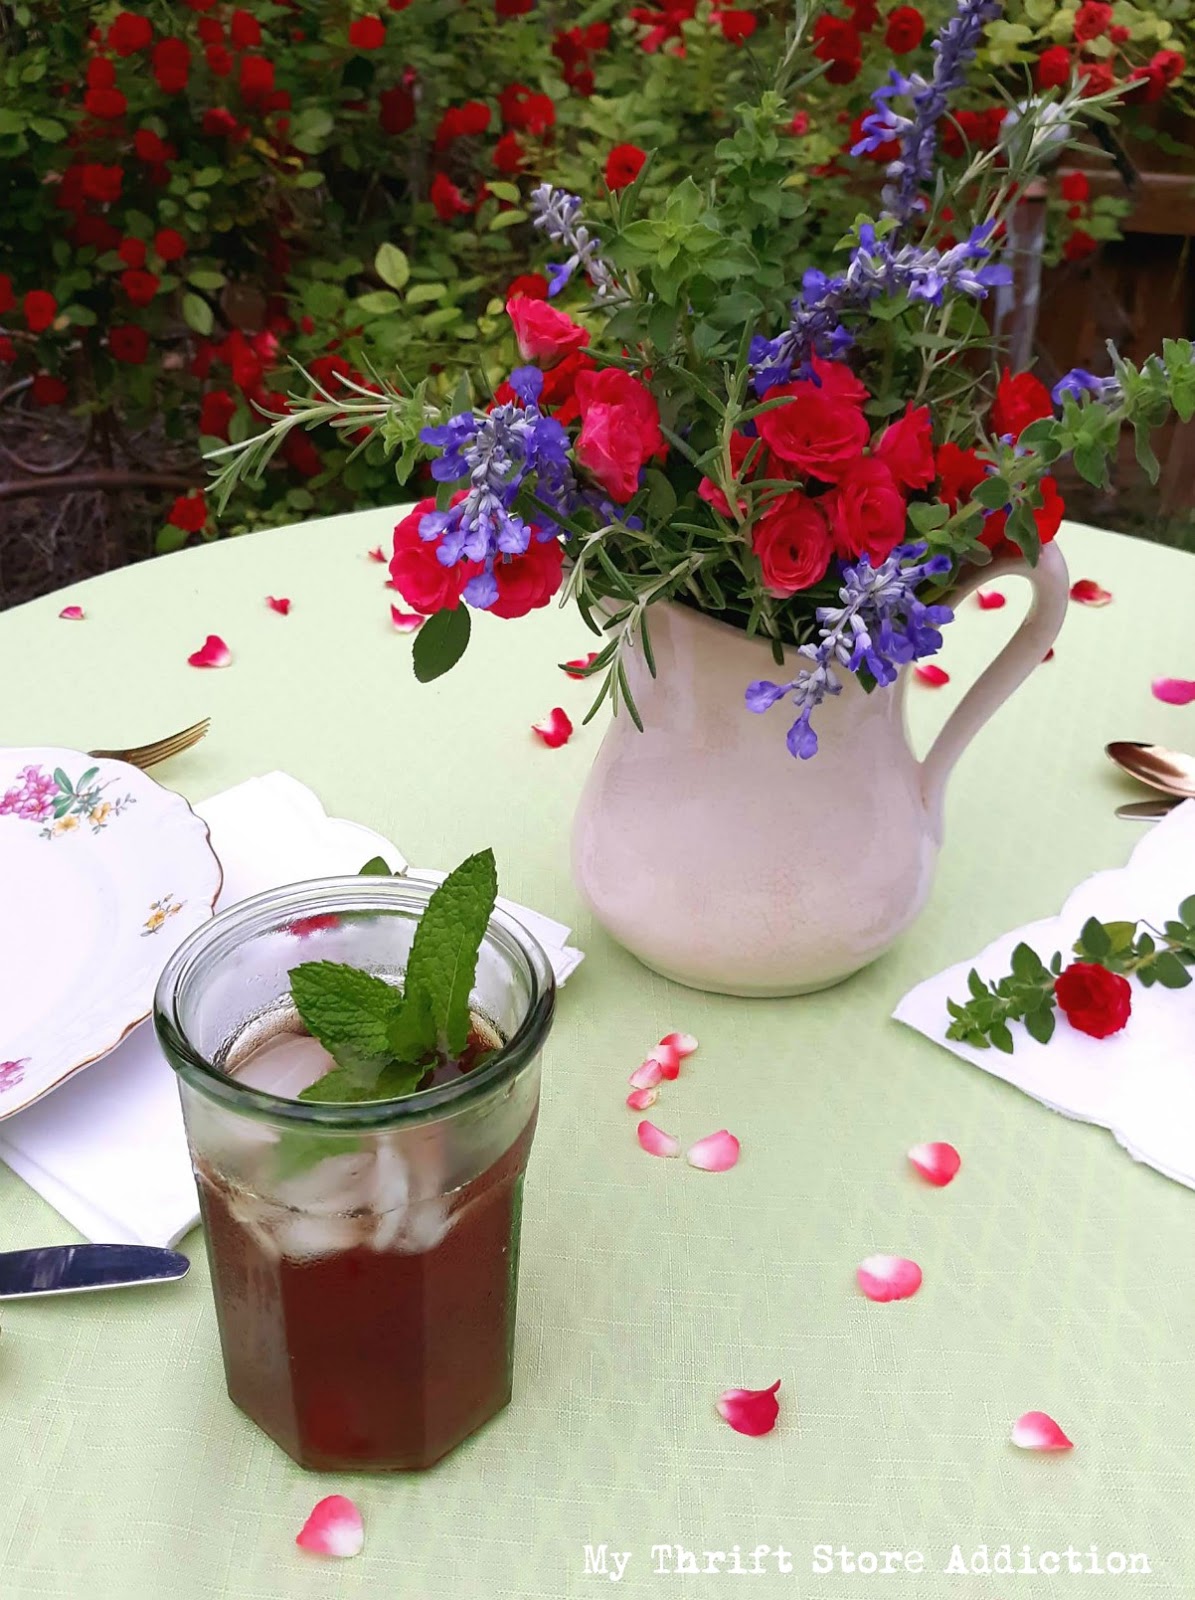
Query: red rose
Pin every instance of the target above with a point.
(219, 122)
(1053, 67)
(1074, 186)
(906, 29)
(527, 582)
(1169, 63)
(523, 109)
(793, 544)
(211, 31)
(128, 33)
(101, 73)
(447, 198)
(867, 511)
(416, 571)
(216, 411)
(818, 431)
(255, 78)
(40, 309)
(1048, 518)
(623, 165)
(529, 285)
(8, 350)
(169, 244)
(508, 154)
(620, 429)
(105, 105)
(101, 184)
(189, 512)
(367, 33)
(1091, 20)
(1096, 77)
(47, 390)
(513, 8)
(735, 25)
(1080, 245)
(301, 455)
(740, 448)
(1093, 1000)
(459, 122)
(837, 41)
(244, 30)
(150, 146)
(866, 14)
(906, 448)
(219, 60)
(559, 393)
(171, 62)
(140, 286)
(7, 298)
(543, 333)
(960, 472)
(396, 110)
(1019, 401)
(128, 344)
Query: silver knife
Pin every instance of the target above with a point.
(1147, 810)
(73, 1268)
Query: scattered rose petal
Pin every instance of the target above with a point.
(390, 584)
(668, 1057)
(377, 553)
(933, 676)
(937, 1163)
(717, 1152)
(334, 1528)
(576, 667)
(304, 927)
(751, 1411)
(655, 1141)
(215, 653)
(1049, 655)
(1088, 593)
(683, 1043)
(888, 1277)
(642, 1099)
(990, 599)
(1036, 1431)
(406, 621)
(1174, 691)
(648, 1075)
(555, 729)
(71, 613)
(282, 607)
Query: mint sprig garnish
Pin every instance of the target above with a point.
(1132, 949)
(382, 1039)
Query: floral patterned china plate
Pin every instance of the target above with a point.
(102, 874)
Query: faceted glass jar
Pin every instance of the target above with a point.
(364, 1257)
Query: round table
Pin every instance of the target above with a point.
(1056, 1273)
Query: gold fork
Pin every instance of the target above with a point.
(149, 755)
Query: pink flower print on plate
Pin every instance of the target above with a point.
(11, 1073)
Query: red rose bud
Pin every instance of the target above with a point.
(1093, 1000)
(1091, 20)
(128, 344)
(367, 33)
(1053, 67)
(906, 29)
(128, 33)
(543, 333)
(40, 309)
(623, 165)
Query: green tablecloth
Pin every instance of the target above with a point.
(1057, 1273)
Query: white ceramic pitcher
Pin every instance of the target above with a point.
(720, 861)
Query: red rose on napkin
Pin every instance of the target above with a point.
(1094, 1000)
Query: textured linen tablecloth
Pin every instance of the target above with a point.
(1057, 1273)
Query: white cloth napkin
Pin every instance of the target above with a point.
(107, 1149)
(1140, 1083)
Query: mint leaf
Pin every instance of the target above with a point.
(375, 867)
(342, 1087)
(413, 1032)
(349, 1011)
(443, 960)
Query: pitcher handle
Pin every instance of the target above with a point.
(1024, 651)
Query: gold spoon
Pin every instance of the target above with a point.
(1168, 770)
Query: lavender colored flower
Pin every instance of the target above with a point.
(880, 626)
(497, 453)
(558, 214)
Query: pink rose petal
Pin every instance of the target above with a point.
(990, 599)
(655, 1141)
(937, 1163)
(215, 653)
(648, 1075)
(931, 675)
(555, 729)
(71, 613)
(282, 607)
(750, 1411)
(1088, 593)
(1036, 1431)
(576, 667)
(717, 1152)
(886, 1278)
(334, 1528)
(642, 1099)
(406, 621)
(668, 1057)
(377, 553)
(1049, 655)
(683, 1043)
(1173, 691)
